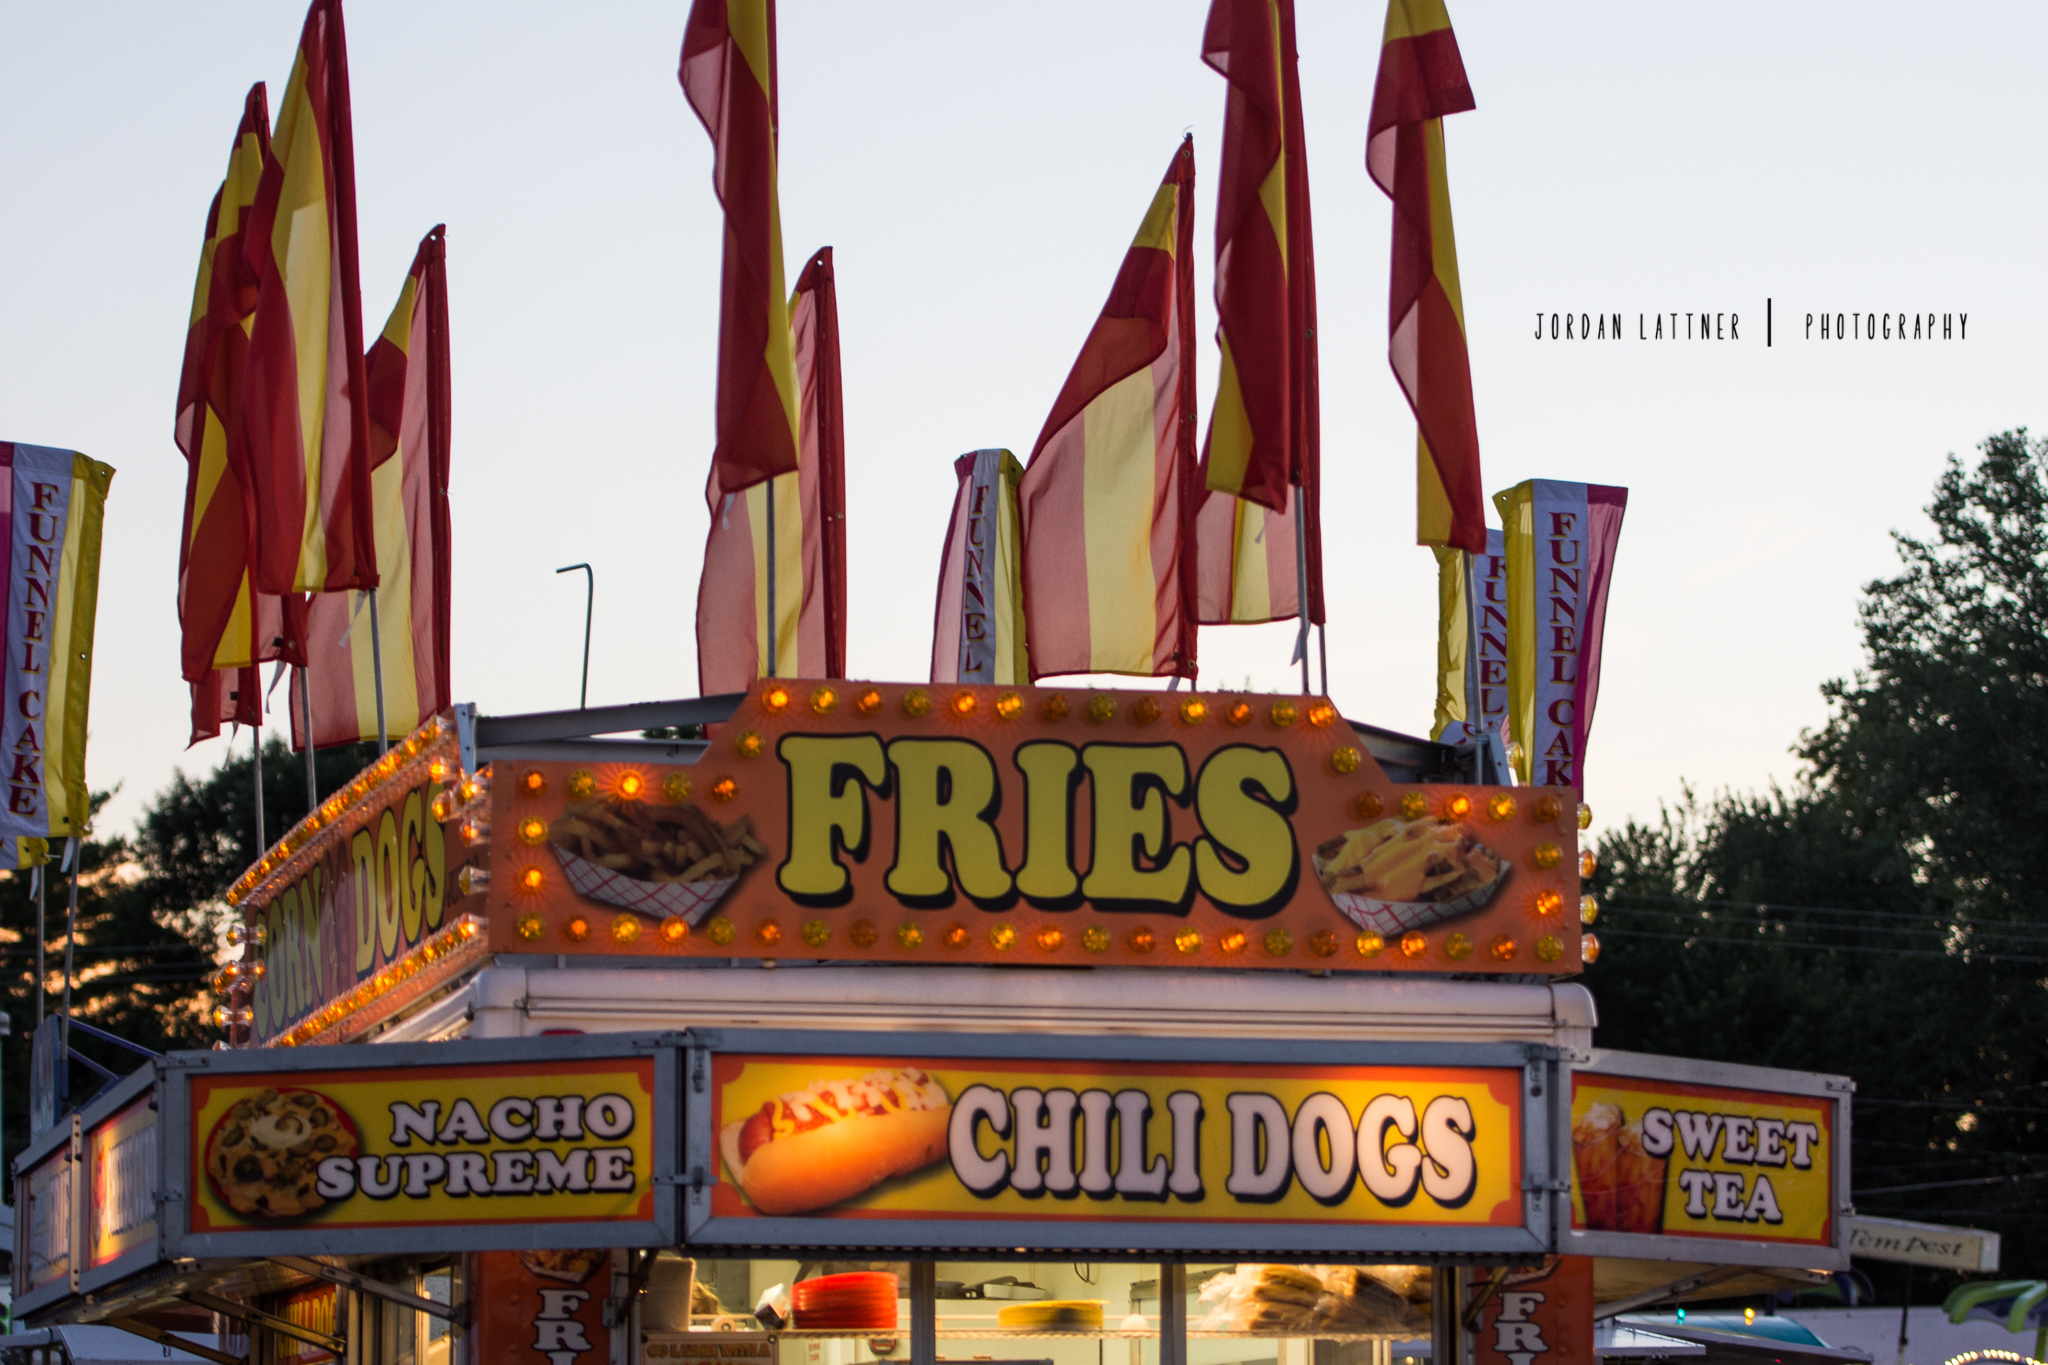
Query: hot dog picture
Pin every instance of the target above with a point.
(833, 1139)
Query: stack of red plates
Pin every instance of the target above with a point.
(861, 1301)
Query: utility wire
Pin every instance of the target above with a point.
(1975, 955)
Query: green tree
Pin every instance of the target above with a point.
(150, 915)
(1884, 918)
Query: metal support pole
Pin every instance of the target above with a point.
(262, 844)
(70, 943)
(42, 937)
(1323, 658)
(377, 671)
(589, 605)
(1446, 1325)
(1301, 581)
(924, 1313)
(1173, 1314)
(306, 707)
(774, 625)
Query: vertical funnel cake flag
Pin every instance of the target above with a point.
(226, 628)
(1265, 427)
(1560, 541)
(1108, 501)
(809, 554)
(1422, 78)
(978, 634)
(728, 74)
(410, 429)
(306, 419)
(52, 501)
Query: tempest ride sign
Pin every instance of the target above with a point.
(1057, 1143)
(850, 821)
(1668, 1153)
(554, 1147)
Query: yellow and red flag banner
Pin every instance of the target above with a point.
(728, 74)
(410, 431)
(1109, 499)
(1421, 79)
(52, 503)
(808, 557)
(1246, 555)
(1560, 540)
(225, 628)
(1265, 427)
(306, 419)
(978, 634)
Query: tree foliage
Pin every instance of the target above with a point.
(1885, 917)
(150, 915)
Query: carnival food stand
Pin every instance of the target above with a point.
(892, 1022)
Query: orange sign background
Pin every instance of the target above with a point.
(1034, 826)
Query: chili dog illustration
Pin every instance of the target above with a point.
(834, 1139)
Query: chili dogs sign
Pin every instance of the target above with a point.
(1688, 1160)
(1161, 1145)
(1022, 825)
(462, 1146)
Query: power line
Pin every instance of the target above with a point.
(1768, 906)
(1985, 956)
(2025, 934)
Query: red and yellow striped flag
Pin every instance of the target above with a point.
(1265, 431)
(1421, 79)
(225, 629)
(410, 429)
(809, 553)
(306, 421)
(1109, 498)
(728, 74)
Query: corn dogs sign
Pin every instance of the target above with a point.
(1036, 826)
(1666, 1160)
(1127, 1151)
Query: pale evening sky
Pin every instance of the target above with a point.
(980, 169)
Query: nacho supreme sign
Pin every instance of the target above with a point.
(555, 1151)
(1165, 1150)
(1026, 825)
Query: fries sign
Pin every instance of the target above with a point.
(1060, 1143)
(1032, 826)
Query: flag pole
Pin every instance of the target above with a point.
(1301, 581)
(377, 669)
(773, 624)
(261, 844)
(71, 939)
(306, 706)
(42, 969)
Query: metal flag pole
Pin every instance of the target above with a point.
(74, 856)
(42, 970)
(589, 603)
(306, 706)
(1301, 581)
(774, 625)
(377, 668)
(261, 843)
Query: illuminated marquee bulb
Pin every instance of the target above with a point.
(1238, 712)
(1009, 706)
(1413, 944)
(1002, 938)
(437, 769)
(1188, 941)
(532, 878)
(1585, 816)
(1141, 940)
(963, 704)
(724, 789)
(748, 744)
(1549, 902)
(956, 937)
(1321, 714)
(533, 782)
(775, 699)
(768, 932)
(1050, 939)
(625, 929)
(868, 702)
(1502, 948)
(1500, 806)
(823, 700)
(1193, 711)
(1370, 944)
(576, 930)
(675, 929)
(1457, 806)
(1230, 942)
(910, 934)
(1589, 863)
